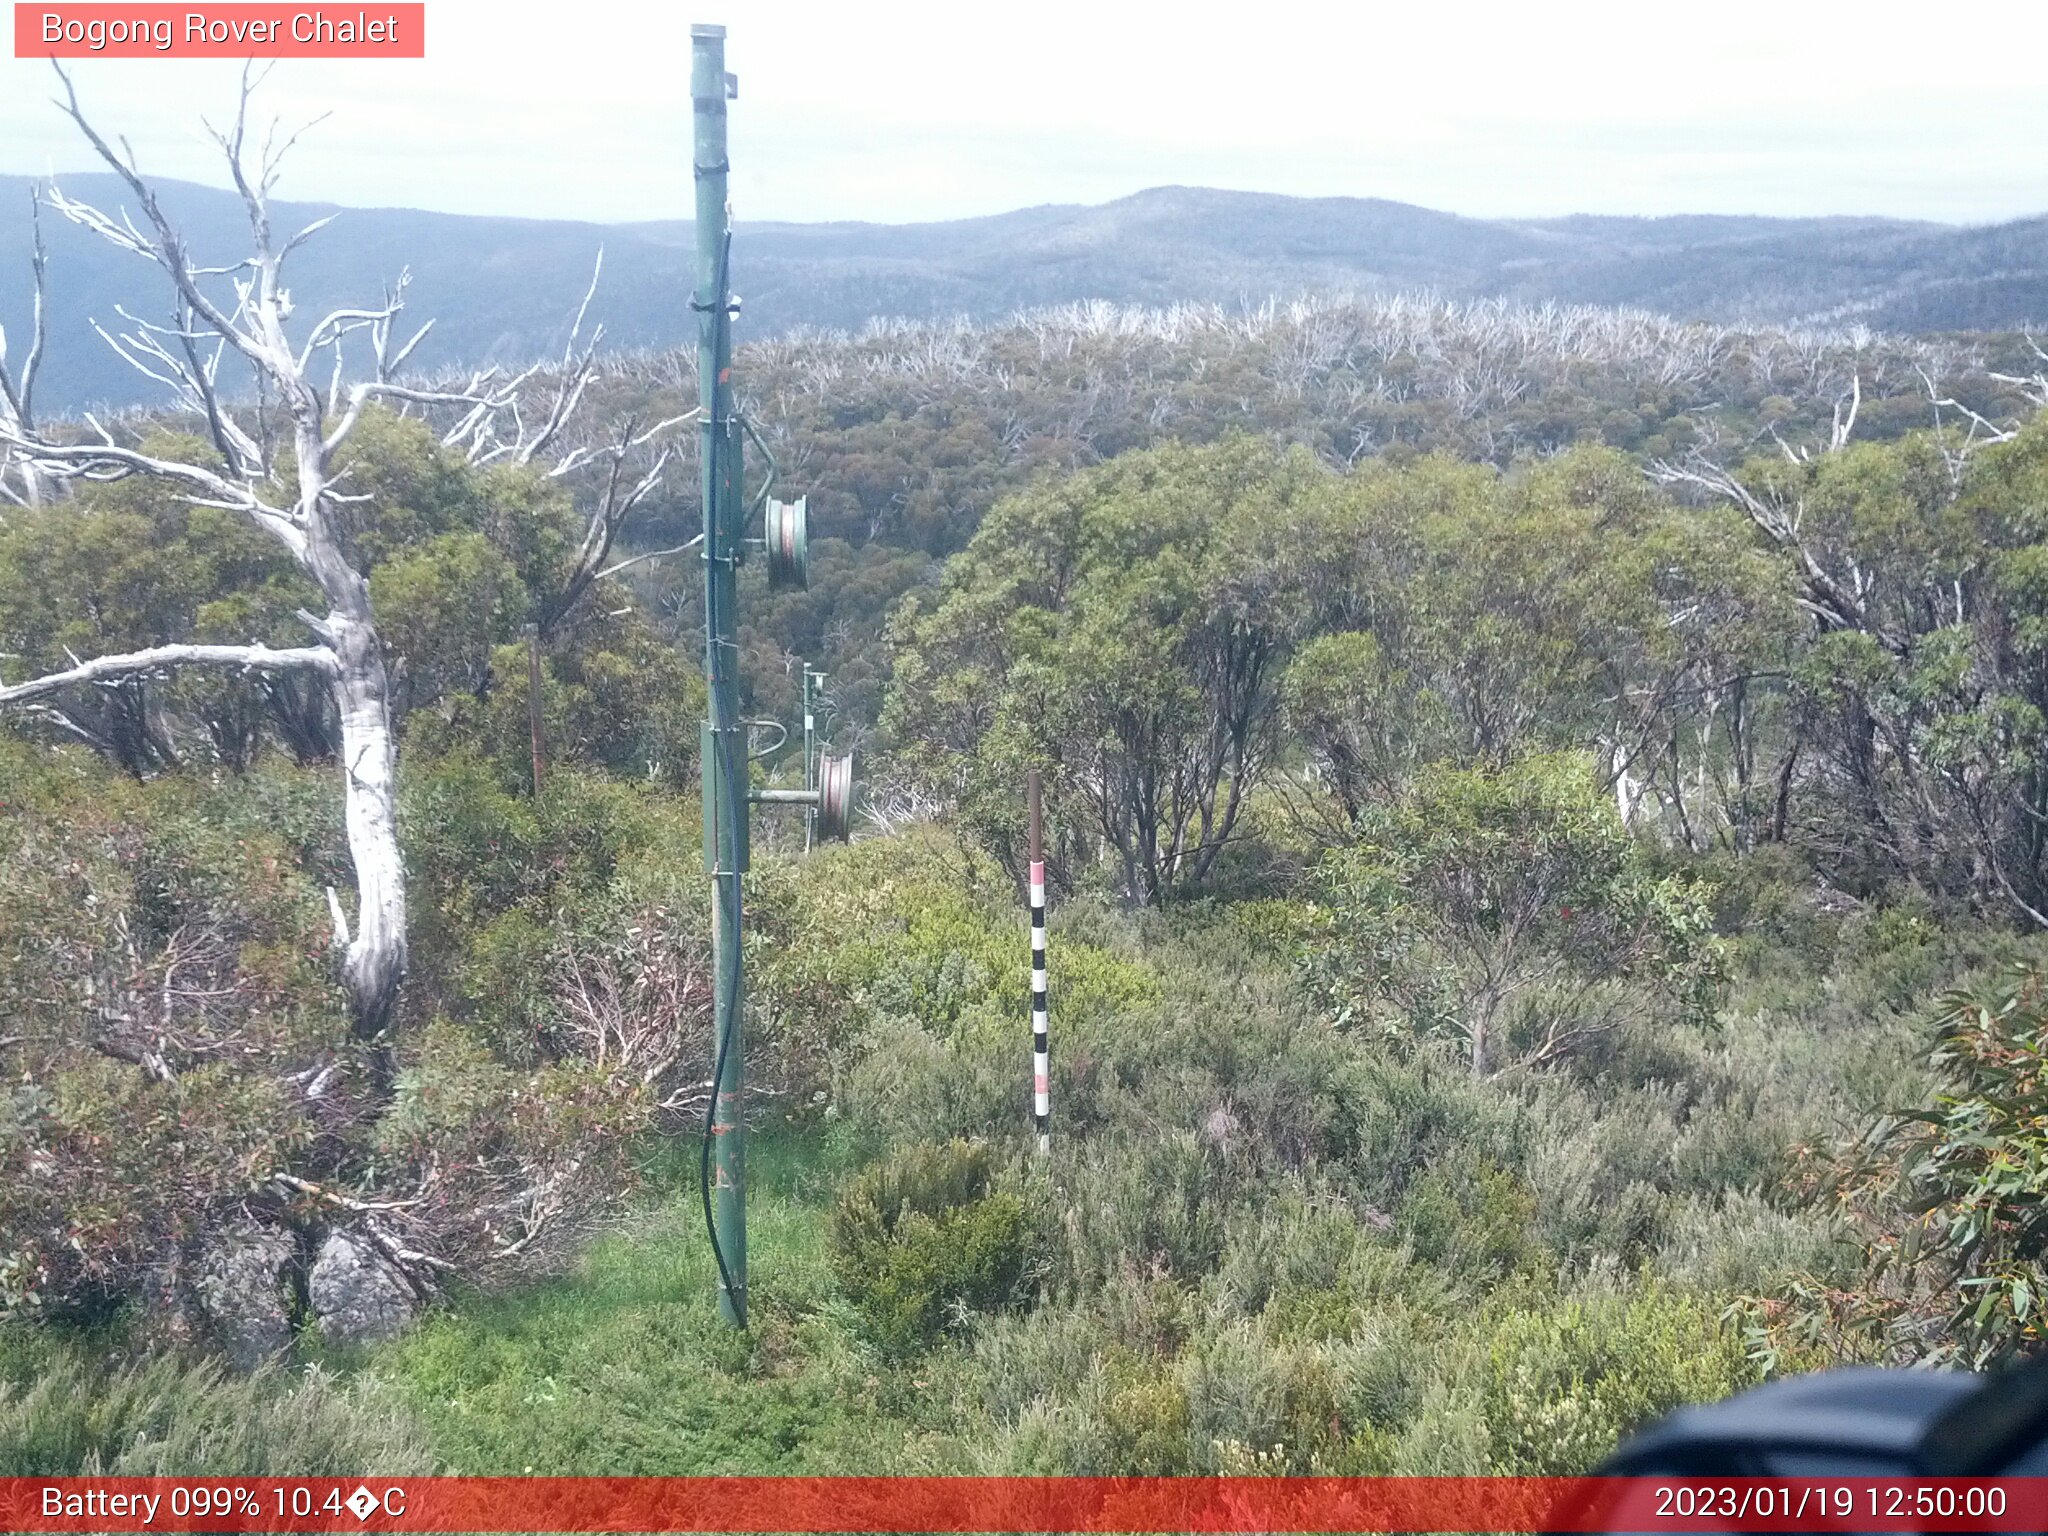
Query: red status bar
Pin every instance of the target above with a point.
(992, 1504)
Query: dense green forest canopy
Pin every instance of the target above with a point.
(905, 435)
(1518, 784)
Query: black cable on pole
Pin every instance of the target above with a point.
(704, 1171)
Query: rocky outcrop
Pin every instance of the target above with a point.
(357, 1295)
(242, 1284)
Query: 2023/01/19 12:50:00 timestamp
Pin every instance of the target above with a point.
(1822, 1500)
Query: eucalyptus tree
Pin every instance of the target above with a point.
(1511, 909)
(1126, 629)
(1475, 616)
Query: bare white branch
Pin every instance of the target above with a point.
(577, 370)
(652, 554)
(1845, 422)
(261, 658)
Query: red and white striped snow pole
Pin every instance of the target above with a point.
(1041, 1059)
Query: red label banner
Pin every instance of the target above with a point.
(235, 31)
(994, 1504)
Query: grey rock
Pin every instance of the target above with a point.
(356, 1294)
(242, 1283)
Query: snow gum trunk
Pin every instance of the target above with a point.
(376, 959)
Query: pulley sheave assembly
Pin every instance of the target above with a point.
(835, 797)
(827, 795)
(829, 800)
(785, 530)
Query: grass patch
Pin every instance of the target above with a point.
(623, 1365)
(84, 1405)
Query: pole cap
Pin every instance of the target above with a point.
(707, 29)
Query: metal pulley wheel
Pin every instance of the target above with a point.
(835, 797)
(786, 531)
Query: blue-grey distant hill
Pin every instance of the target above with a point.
(500, 289)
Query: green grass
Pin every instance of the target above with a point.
(85, 1404)
(623, 1365)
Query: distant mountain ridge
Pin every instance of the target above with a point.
(500, 289)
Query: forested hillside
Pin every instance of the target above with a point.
(500, 288)
(905, 436)
(1535, 795)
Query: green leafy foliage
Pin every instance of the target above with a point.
(458, 560)
(123, 567)
(1562, 1384)
(163, 947)
(1167, 632)
(1343, 764)
(181, 1041)
(1955, 1194)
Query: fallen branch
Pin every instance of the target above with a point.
(346, 1202)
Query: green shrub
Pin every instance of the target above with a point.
(1473, 1218)
(1258, 1405)
(1407, 1114)
(1972, 1170)
(1379, 1373)
(1512, 912)
(1563, 1384)
(1741, 1244)
(1146, 1205)
(1237, 1388)
(163, 967)
(1019, 1359)
(1145, 1419)
(1318, 1270)
(922, 1236)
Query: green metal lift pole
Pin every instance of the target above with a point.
(724, 746)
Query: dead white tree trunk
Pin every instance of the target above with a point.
(375, 952)
(18, 389)
(159, 658)
(186, 355)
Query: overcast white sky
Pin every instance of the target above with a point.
(894, 110)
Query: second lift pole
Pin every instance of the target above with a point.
(723, 745)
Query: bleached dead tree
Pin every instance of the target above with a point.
(186, 355)
(289, 483)
(1837, 590)
(19, 481)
